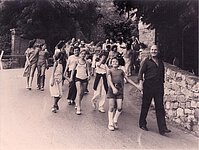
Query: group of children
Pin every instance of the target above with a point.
(111, 64)
(36, 58)
(104, 62)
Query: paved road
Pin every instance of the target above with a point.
(27, 122)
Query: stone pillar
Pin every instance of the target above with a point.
(18, 44)
(146, 36)
(15, 42)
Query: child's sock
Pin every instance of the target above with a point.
(117, 114)
(110, 118)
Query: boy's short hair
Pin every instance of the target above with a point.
(37, 45)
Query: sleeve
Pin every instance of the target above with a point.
(142, 70)
(26, 52)
(108, 72)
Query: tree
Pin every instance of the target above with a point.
(51, 20)
(173, 20)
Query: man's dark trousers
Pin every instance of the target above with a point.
(153, 89)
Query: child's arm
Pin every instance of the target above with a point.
(67, 64)
(111, 83)
(53, 73)
(88, 70)
(133, 83)
(72, 73)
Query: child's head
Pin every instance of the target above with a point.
(76, 51)
(31, 43)
(43, 46)
(97, 50)
(115, 62)
(114, 48)
(83, 53)
(37, 46)
(58, 56)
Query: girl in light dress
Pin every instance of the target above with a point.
(56, 81)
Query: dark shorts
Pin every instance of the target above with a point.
(81, 80)
(119, 95)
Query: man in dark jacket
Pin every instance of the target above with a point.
(153, 87)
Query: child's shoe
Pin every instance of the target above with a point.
(78, 112)
(94, 105)
(72, 102)
(115, 125)
(111, 128)
(69, 102)
(54, 109)
(42, 89)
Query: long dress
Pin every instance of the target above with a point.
(56, 89)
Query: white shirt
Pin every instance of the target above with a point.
(72, 61)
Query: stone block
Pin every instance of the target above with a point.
(168, 105)
(192, 111)
(195, 128)
(178, 121)
(196, 114)
(188, 126)
(195, 88)
(183, 77)
(180, 112)
(168, 85)
(197, 104)
(188, 94)
(178, 77)
(172, 74)
(191, 81)
(182, 84)
(176, 105)
(188, 104)
(182, 105)
(190, 118)
(175, 87)
(169, 113)
(181, 98)
(170, 98)
(193, 104)
(187, 111)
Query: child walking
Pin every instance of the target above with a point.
(56, 81)
(31, 62)
(100, 83)
(115, 93)
(42, 65)
(82, 78)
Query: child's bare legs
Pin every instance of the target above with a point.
(27, 82)
(111, 113)
(118, 112)
(32, 71)
(43, 69)
(55, 105)
(80, 93)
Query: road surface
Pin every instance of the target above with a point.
(27, 123)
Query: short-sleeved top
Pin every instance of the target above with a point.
(117, 76)
(43, 56)
(32, 55)
(81, 71)
(72, 61)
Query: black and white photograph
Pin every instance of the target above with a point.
(99, 75)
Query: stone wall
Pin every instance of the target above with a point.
(182, 98)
